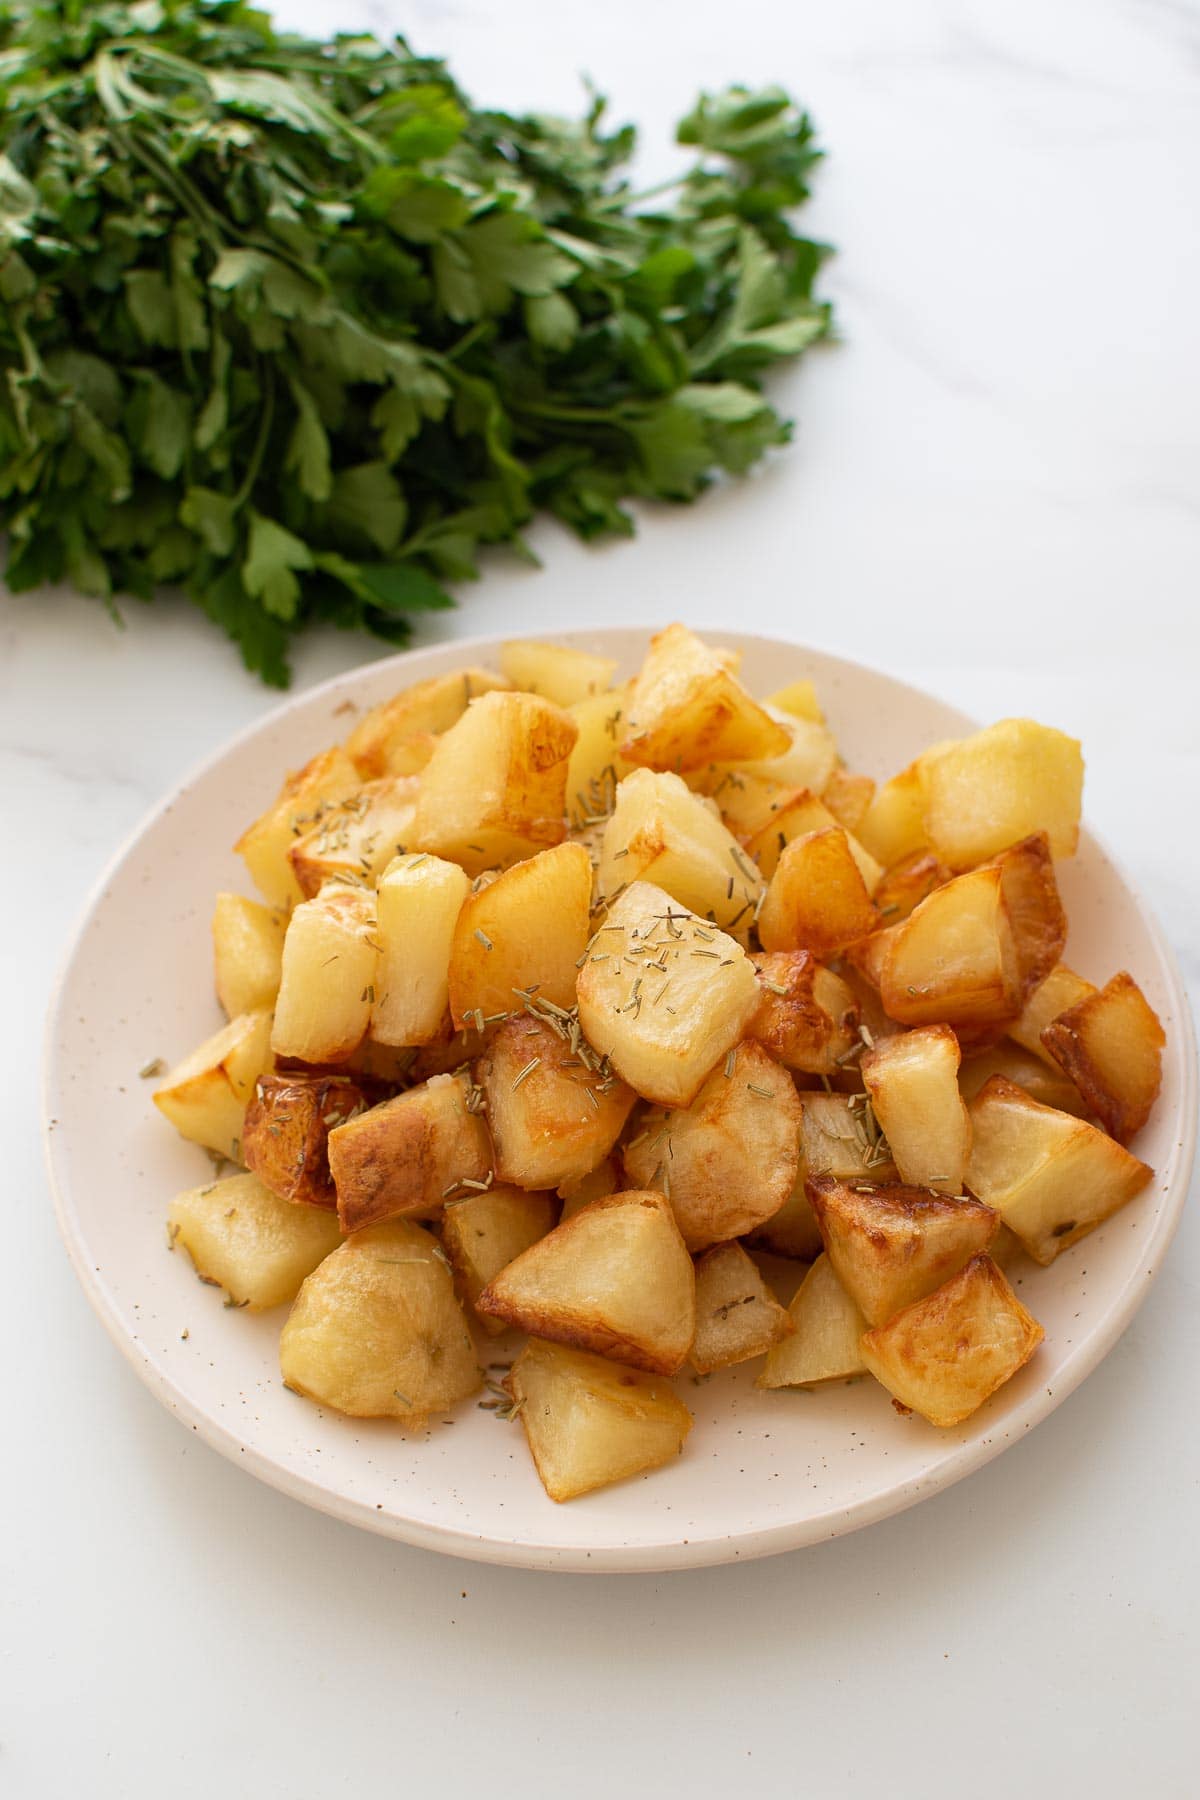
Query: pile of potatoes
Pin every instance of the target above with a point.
(565, 1002)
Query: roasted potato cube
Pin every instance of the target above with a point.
(839, 1136)
(903, 887)
(553, 1118)
(729, 1160)
(848, 797)
(799, 699)
(913, 1083)
(264, 846)
(746, 802)
(664, 995)
(989, 790)
(1110, 1044)
(893, 826)
(604, 1179)
(1051, 1177)
(589, 1422)
(245, 1239)
(661, 832)
(807, 1017)
(376, 1331)
(329, 968)
(817, 899)
(826, 1328)
(286, 1133)
(483, 1233)
(891, 1245)
(800, 814)
(1061, 990)
(205, 1095)
(1035, 912)
(417, 904)
(945, 1354)
(615, 1279)
(554, 672)
(954, 960)
(1041, 1080)
(384, 740)
(687, 709)
(494, 789)
(525, 931)
(809, 760)
(358, 835)
(792, 1231)
(596, 765)
(247, 953)
(410, 1154)
(737, 1315)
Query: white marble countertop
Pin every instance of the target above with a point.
(995, 493)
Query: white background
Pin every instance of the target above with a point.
(994, 492)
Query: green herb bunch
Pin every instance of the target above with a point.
(294, 327)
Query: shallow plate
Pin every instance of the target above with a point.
(761, 1472)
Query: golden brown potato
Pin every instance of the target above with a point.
(248, 1241)
(358, 835)
(554, 672)
(1061, 990)
(661, 832)
(604, 1179)
(384, 740)
(1035, 912)
(737, 1315)
(596, 765)
(589, 1422)
(839, 1135)
(328, 987)
(992, 789)
(615, 1279)
(817, 899)
(892, 1245)
(553, 1118)
(826, 1329)
(494, 789)
(797, 816)
(688, 709)
(483, 1233)
(247, 953)
(286, 1133)
(945, 1354)
(909, 881)
(264, 845)
(848, 797)
(1051, 1177)
(729, 1160)
(1110, 1045)
(1041, 1080)
(376, 1331)
(664, 995)
(205, 1095)
(807, 1017)
(411, 1154)
(913, 1083)
(527, 930)
(954, 959)
(418, 902)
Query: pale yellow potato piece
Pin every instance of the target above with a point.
(411, 1154)
(799, 698)
(417, 902)
(695, 993)
(616, 1279)
(589, 1422)
(247, 953)
(688, 709)
(987, 791)
(554, 672)
(596, 765)
(894, 824)
(264, 846)
(817, 899)
(1042, 1081)
(913, 1083)
(525, 931)
(848, 797)
(494, 789)
(801, 814)
(826, 1329)
(891, 1245)
(396, 737)
(839, 1137)
(737, 1315)
(327, 991)
(245, 1239)
(661, 832)
(357, 836)
(729, 1160)
(376, 1330)
(485, 1232)
(1110, 1045)
(1050, 1176)
(954, 959)
(552, 1118)
(1061, 990)
(205, 1095)
(807, 1017)
(792, 1231)
(945, 1355)
(808, 761)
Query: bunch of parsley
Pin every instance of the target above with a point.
(294, 327)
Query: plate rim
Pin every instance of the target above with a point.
(613, 1558)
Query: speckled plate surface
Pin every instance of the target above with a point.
(761, 1472)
